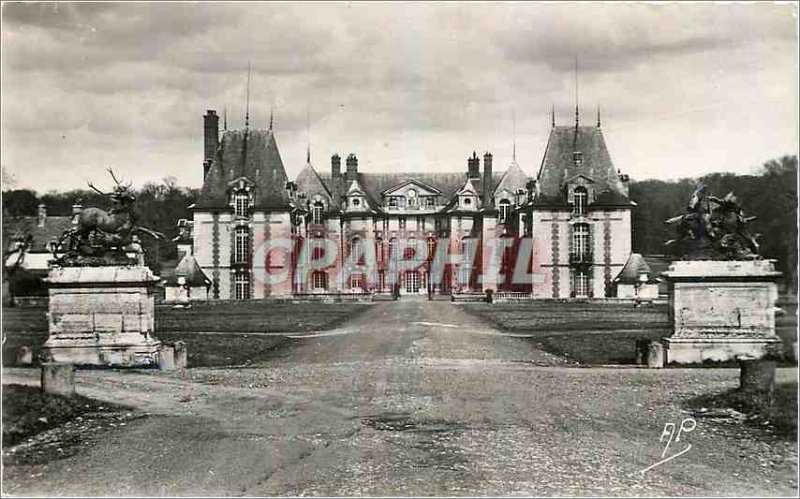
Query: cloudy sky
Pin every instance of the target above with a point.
(683, 89)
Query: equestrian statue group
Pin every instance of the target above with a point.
(104, 237)
(713, 229)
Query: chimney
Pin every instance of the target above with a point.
(352, 167)
(487, 179)
(473, 166)
(336, 166)
(42, 215)
(210, 138)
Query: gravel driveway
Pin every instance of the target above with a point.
(411, 398)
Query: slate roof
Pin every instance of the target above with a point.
(558, 165)
(375, 183)
(513, 178)
(252, 154)
(635, 265)
(188, 268)
(54, 227)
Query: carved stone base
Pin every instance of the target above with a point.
(721, 310)
(102, 316)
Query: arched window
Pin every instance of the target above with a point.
(316, 212)
(579, 198)
(505, 209)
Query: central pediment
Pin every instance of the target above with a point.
(402, 188)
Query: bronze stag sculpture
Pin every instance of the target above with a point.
(102, 237)
(718, 233)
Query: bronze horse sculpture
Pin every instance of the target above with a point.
(100, 232)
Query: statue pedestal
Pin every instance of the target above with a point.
(721, 310)
(102, 316)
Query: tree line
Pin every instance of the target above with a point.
(770, 194)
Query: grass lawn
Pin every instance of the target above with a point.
(28, 326)
(597, 332)
(780, 412)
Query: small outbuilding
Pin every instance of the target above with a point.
(636, 280)
(186, 283)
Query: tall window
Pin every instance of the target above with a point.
(581, 284)
(505, 209)
(393, 202)
(355, 250)
(410, 253)
(317, 248)
(240, 202)
(430, 201)
(316, 212)
(579, 197)
(242, 286)
(580, 240)
(319, 280)
(402, 222)
(379, 249)
(393, 247)
(466, 250)
(464, 272)
(241, 244)
(381, 279)
(431, 248)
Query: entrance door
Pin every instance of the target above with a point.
(412, 282)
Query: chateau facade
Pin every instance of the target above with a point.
(564, 233)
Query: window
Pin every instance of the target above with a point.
(410, 252)
(412, 282)
(505, 209)
(431, 248)
(379, 249)
(464, 272)
(381, 279)
(467, 201)
(356, 202)
(430, 201)
(420, 223)
(355, 250)
(581, 283)
(317, 248)
(402, 223)
(316, 212)
(242, 286)
(240, 202)
(393, 247)
(393, 202)
(579, 196)
(357, 281)
(577, 157)
(241, 243)
(319, 280)
(580, 240)
(466, 250)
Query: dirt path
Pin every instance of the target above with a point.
(411, 398)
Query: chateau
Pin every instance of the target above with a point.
(564, 233)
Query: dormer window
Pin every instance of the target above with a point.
(240, 204)
(579, 199)
(577, 158)
(316, 212)
(505, 210)
(430, 201)
(467, 201)
(356, 202)
(393, 202)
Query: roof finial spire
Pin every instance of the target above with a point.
(577, 117)
(247, 107)
(514, 123)
(598, 116)
(308, 134)
(553, 115)
(271, 115)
